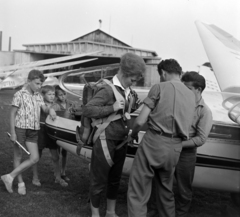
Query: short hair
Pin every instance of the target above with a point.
(46, 89)
(169, 65)
(58, 89)
(132, 65)
(36, 74)
(196, 79)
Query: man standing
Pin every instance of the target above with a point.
(199, 132)
(168, 111)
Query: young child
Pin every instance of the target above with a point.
(24, 127)
(44, 141)
(67, 106)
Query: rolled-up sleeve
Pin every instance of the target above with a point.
(153, 96)
(203, 127)
(98, 106)
(17, 99)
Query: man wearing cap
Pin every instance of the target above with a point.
(168, 111)
(199, 132)
(105, 171)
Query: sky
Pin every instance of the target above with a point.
(164, 26)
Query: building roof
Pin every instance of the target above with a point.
(102, 37)
(97, 40)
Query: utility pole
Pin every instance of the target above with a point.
(0, 40)
(9, 45)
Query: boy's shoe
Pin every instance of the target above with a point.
(36, 182)
(21, 188)
(65, 178)
(61, 182)
(7, 180)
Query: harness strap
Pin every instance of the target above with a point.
(130, 103)
(117, 95)
(104, 125)
(105, 149)
(110, 118)
(124, 142)
(96, 122)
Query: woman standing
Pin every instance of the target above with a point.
(103, 104)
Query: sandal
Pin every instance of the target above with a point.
(61, 182)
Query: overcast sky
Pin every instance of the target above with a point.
(164, 26)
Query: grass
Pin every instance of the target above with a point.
(52, 200)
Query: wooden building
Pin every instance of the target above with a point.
(93, 41)
(111, 51)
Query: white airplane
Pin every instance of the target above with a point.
(43, 62)
(211, 81)
(16, 75)
(223, 51)
(218, 161)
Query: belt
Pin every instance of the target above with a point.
(169, 135)
(191, 135)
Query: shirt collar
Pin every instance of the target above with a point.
(201, 102)
(24, 90)
(116, 82)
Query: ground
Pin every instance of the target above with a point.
(52, 200)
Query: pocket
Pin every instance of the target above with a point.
(177, 152)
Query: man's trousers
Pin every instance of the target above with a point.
(155, 154)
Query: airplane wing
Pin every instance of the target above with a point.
(223, 51)
(51, 80)
(54, 66)
(61, 73)
(44, 62)
(20, 78)
(12, 82)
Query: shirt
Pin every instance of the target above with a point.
(202, 124)
(29, 106)
(172, 105)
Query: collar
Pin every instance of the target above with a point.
(116, 82)
(24, 90)
(200, 103)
